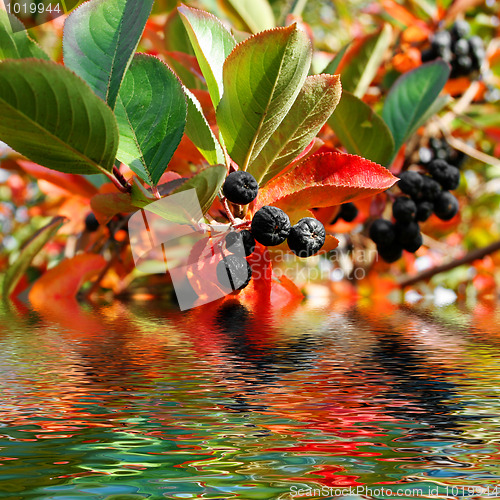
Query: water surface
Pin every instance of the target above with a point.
(131, 401)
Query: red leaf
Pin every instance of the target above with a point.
(325, 180)
(61, 283)
(72, 183)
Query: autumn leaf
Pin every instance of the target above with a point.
(325, 180)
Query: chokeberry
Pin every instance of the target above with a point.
(240, 187)
(441, 40)
(447, 175)
(410, 183)
(406, 233)
(91, 223)
(348, 212)
(404, 209)
(445, 206)
(460, 29)
(430, 188)
(424, 210)
(245, 238)
(306, 237)
(425, 155)
(390, 253)
(270, 226)
(382, 232)
(233, 272)
(461, 47)
(413, 245)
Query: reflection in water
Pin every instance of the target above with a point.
(221, 402)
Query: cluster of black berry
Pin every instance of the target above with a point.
(439, 149)
(426, 194)
(465, 55)
(270, 226)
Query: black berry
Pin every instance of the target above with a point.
(270, 226)
(306, 237)
(460, 29)
(461, 47)
(447, 175)
(240, 187)
(91, 223)
(390, 253)
(348, 212)
(382, 232)
(404, 209)
(424, 210)
(446, 206)
(245, 238)
(441, 41)
(430, 188)
(410, 183)
(406, 233)
(413, 245)
(233, 273)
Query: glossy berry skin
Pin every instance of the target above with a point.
(445, 206)
(390, 253)
(382, 232)
(306, 237)
(244, 237)
(460, 29)
(447, 175)
(404, 209)
(410, 183)
(270, 226)
(91, 223)
(424, 210)
(240, 187)
(233, 273)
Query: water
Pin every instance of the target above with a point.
(129, 401)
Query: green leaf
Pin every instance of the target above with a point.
(199, 132)
(411, 97)
(177, 40)
(100, 39)
(331, 67)
(52, 117)
(312, 108)
(17, 45)
(361, 131)
(207, 183)
(17, 269)
(256, 15)
(262, 77)
(212, 43)
(151, 113)
(363, 61)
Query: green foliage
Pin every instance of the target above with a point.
(100, 39)
(53, 118)
(17, 45)
(315, 103)
(30, 250)
(364, 61)
(151, 113)
(411, 97)
(262, 78)
(212, 43)
(254, 15)
(200, 133)
(361, 131)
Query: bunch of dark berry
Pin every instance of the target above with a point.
(426, 194)
(439, 149)
(270, 226)
(348, 212)
(465, 55)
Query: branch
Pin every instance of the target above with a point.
(477, 254)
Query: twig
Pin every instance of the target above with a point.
(477, 254)
(229, 214)
(470, 151)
